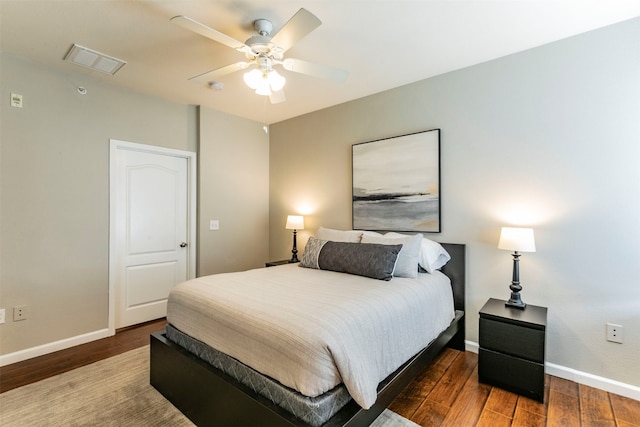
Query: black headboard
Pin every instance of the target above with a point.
(456, 271)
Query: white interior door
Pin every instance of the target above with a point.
(150, 223)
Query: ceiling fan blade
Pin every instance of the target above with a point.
(316, 70)
(210, 33)
(277, 97)
(219, 72)
(300, 24)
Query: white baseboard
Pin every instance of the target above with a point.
(606, 384)
(471, 346)
(29, 353)
(602, 383)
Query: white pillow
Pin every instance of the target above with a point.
(371, 233)
(407, 263)
(432, 255)
(349, 236)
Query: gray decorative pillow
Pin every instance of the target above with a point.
(407, 265)
(312, 253)
(362, 259)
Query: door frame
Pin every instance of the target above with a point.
(191, 158)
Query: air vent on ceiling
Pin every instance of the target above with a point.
(95, 60)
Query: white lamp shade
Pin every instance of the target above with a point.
(276, 81)
(253, 78)
(517, 239)
(264, 82)
(295, 222)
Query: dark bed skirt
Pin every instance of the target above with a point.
(209, 397)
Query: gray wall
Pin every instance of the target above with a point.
(54, 228)
(234, 189)
(547, 138)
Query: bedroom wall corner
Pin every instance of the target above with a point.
(233, 188)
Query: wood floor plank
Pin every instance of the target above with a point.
(416, 392)
(428, 378)
(502, 402)
(595, 407)
(625, 410)
(430, 414)
(490, 418)
(564, 409)
(523, 418)
(533, 406)
(406, 406)
(564, 386)
(468, 405)
(447, 389)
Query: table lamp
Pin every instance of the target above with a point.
(294, 222)
(517, 240)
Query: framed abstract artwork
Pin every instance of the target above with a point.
(396, 183)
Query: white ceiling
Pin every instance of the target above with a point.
(382, 43)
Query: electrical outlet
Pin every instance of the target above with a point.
(2, 314)
(19, 313)
(615, 333)
(214, 224)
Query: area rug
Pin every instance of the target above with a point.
(112, 392)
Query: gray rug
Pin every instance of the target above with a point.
(112, 392)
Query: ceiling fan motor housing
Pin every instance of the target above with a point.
(263, 26)
(262, 42)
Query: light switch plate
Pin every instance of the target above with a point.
(16, 100)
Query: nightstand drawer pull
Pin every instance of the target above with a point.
(526, 343)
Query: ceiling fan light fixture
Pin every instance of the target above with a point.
(276, 81)
(264, 82)
(263, 88)
(253, 78)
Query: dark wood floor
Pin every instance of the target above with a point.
(39, 368)
(447, 393)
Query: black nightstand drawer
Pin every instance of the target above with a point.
(511, 373)
(513, 340)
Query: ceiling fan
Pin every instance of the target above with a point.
(264, 51)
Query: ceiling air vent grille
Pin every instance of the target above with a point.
(95, 60)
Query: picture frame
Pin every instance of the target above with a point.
(396, 183)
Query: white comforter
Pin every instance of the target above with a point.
(313, 329)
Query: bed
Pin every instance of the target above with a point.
(194, 372)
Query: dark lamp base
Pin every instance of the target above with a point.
(515, 301)
(515, 304)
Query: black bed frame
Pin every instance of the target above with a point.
(209, 397)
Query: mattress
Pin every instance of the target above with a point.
(312, 330)
(314, 411)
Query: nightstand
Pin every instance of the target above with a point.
(512, 348)
(281, 262)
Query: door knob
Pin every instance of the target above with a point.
(183, 244)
